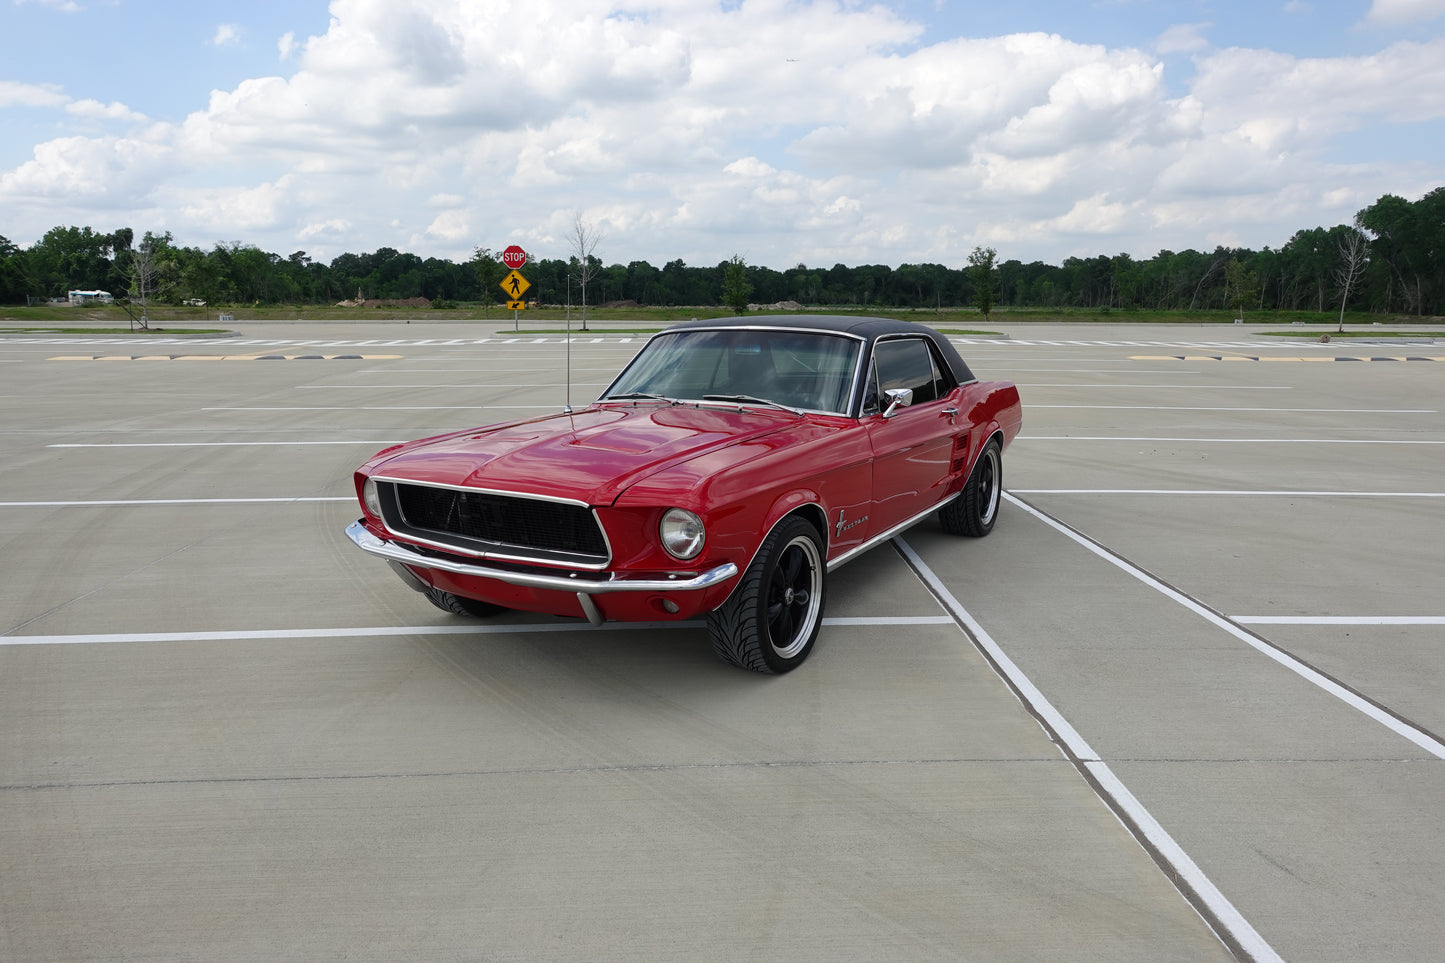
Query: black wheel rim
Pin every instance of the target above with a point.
(988, 488)
(794, 594)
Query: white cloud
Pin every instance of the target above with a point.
(1101, 100)
(226, 35)
(812, 131)
(96, 110)
(1093, 215)
(65, 6)
(14, 94)
(1182, 38)
(226, 211)
(449, 226)
(335, 228)
(1397, 12)
(1278, 102)
(86, 167)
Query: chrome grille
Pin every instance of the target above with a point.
(476, 520)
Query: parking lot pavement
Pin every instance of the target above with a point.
(1288, 723)
(230, 735)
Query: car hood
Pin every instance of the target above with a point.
(591, 456)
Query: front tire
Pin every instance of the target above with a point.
(461, 605)
(975, 510)
(771, 620)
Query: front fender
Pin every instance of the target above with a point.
(744, 491)
(805, 502)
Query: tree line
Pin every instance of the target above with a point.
(1398, 266)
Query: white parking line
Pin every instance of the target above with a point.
(1310, 674)
(521, 628)
(177, 501)
(1172, 857)
(398, 408)
(487, 385)
(1338, 619)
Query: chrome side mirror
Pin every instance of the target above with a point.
(897, 398)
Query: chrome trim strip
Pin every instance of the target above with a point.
(391, 551)
(530, 496)
(877, 540)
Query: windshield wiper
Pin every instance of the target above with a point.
(750, 399)
(639, 396)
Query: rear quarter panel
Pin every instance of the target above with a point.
(992, 408)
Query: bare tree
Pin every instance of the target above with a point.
(1241, 287)
(584, 240)
(1214, 265)
(1354, 255)
(146, 268)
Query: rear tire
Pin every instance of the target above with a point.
(975, 510)
(771, 620)
(461, 605)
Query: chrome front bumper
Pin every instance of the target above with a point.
(582, 587)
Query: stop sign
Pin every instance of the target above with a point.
(514, 257)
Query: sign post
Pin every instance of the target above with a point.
(514, 284)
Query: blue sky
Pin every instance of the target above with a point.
(785, 132)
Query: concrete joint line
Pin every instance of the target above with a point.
(1396, 723)
(1228, 924)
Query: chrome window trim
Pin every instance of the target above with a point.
(855, 389)
(940, 369)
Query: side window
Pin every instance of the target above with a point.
(908, 363)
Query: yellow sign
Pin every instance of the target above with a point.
(515, 285)
(516, 305)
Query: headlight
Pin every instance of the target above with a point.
(682, 533)
(370, 497)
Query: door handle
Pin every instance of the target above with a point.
(952, 413)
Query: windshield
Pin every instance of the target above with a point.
(800, 369)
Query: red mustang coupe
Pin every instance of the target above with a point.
(728, 468)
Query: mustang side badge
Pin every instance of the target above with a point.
(843, 525)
